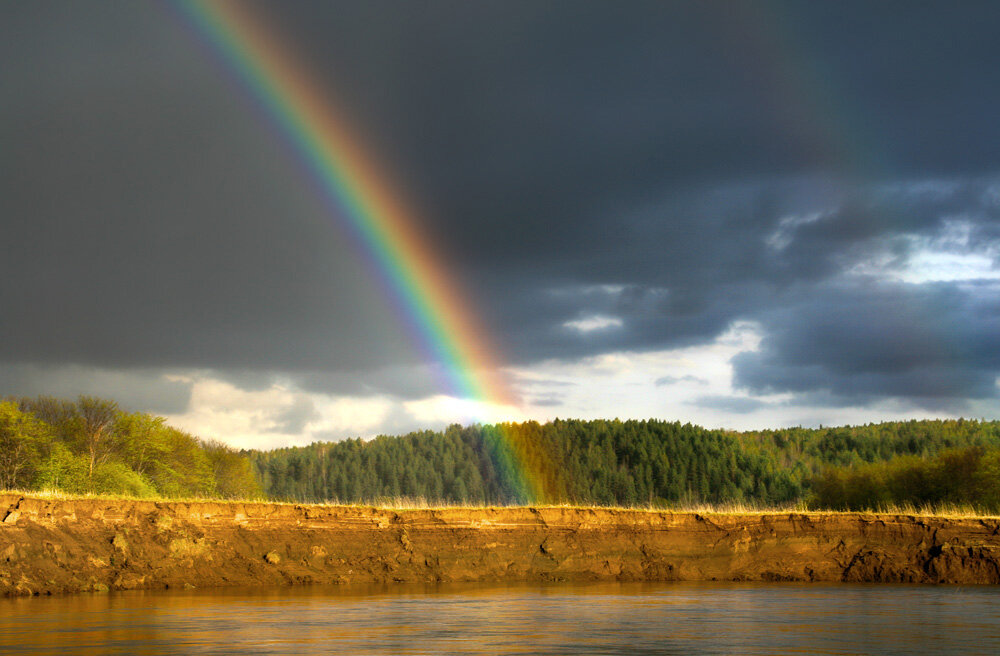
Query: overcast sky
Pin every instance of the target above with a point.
(733, 214)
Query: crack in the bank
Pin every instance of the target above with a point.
(11, 510)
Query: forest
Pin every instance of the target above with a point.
(967, 477)
(643, 463)
(91, 445)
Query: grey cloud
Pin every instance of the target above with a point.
(293, 419)
(546, 401)
(699, 261)
(736, 404)
(160, 223)
(528, 382)
(634, 159)
(931, 343)
(249, 380)
(406, 382)
(134, 390)
(663, 381)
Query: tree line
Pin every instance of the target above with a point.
(966, 477)
(613, 462)
(91, 445)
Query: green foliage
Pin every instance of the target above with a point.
(63, 470)
(955, 477)
(92, 446)
(118, 478)
(613, 462)
(95, 428)
(185, 471)
(144, 438)
(21, 435)
(233, 474)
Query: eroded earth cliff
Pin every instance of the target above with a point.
(52, 545)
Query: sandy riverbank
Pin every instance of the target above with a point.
(50, 545)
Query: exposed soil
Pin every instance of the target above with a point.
(57, 546)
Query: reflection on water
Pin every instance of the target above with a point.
(519, 619)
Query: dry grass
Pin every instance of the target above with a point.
(421, 503)
(73, 496)
(952, 511)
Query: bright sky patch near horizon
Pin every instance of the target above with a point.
(741, 216)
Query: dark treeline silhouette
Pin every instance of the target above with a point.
(92, 446)
(616, 462)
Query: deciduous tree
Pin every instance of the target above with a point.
(20, 435)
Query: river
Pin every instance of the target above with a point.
(679, 618)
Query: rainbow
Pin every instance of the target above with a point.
(442, 326)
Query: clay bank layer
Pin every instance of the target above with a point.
(55, 546)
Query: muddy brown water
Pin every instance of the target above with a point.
(603, 618)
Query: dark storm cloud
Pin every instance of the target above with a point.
(926, 343)
(134, 390)
(676, 167)
(718, 255)
(525, 128)
(150, 218)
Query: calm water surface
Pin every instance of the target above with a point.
(551, 619)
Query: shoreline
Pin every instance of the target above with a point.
(58, 545)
